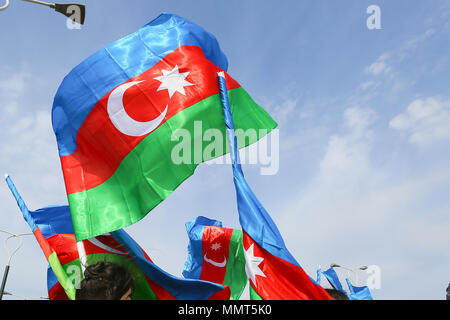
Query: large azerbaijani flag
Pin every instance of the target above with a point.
(52, 227)
(273, 272)
(216, 254)
(116, 117)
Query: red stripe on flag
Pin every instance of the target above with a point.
(65, 247)
(103, 244)
(101, 146)
(215, 247)
(222, 294)
(57, 293)
(146, 255)
(43, 243)
(159, 291)
(280, 279)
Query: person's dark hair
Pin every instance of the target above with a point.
(337, 294)
(448, 292)
(104, 281)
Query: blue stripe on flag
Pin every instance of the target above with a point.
(51, 278)
(53, 220)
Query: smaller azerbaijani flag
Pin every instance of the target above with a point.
(53, 229)
(355, 293)
(216, 254)
(273, 271)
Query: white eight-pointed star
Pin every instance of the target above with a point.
(173, 81)
(252, 265)
(216, 246)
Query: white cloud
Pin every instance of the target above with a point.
(281, 112)
(409, 47)
(359, 119)
(380, 66)
(346, 157)
(368, 84)
(15, 84)
(425, 120)
(355, 212)
(29, 154)
(12, 88)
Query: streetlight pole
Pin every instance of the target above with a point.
(65, 9)
(10, 255)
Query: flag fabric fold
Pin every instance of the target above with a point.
(273, 272)
(358, 293)
(319, 275)
(333, 279)
(215, 254)
(53, 229)
(132, 119)
(353, 293)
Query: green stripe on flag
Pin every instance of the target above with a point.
(147, 175)
(235, 276)
(61, 275)
(253, 294)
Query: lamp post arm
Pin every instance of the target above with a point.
(6, 5)
(51, 5)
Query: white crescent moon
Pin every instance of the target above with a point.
(217, 264)
(122, 121)
(99, 244)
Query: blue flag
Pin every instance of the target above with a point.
(358, 293)
(333, 279)
(354, 293)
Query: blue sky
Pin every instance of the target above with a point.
(363, 123)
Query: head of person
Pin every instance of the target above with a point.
(448, 292)
(337, 294)
(105, 281)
